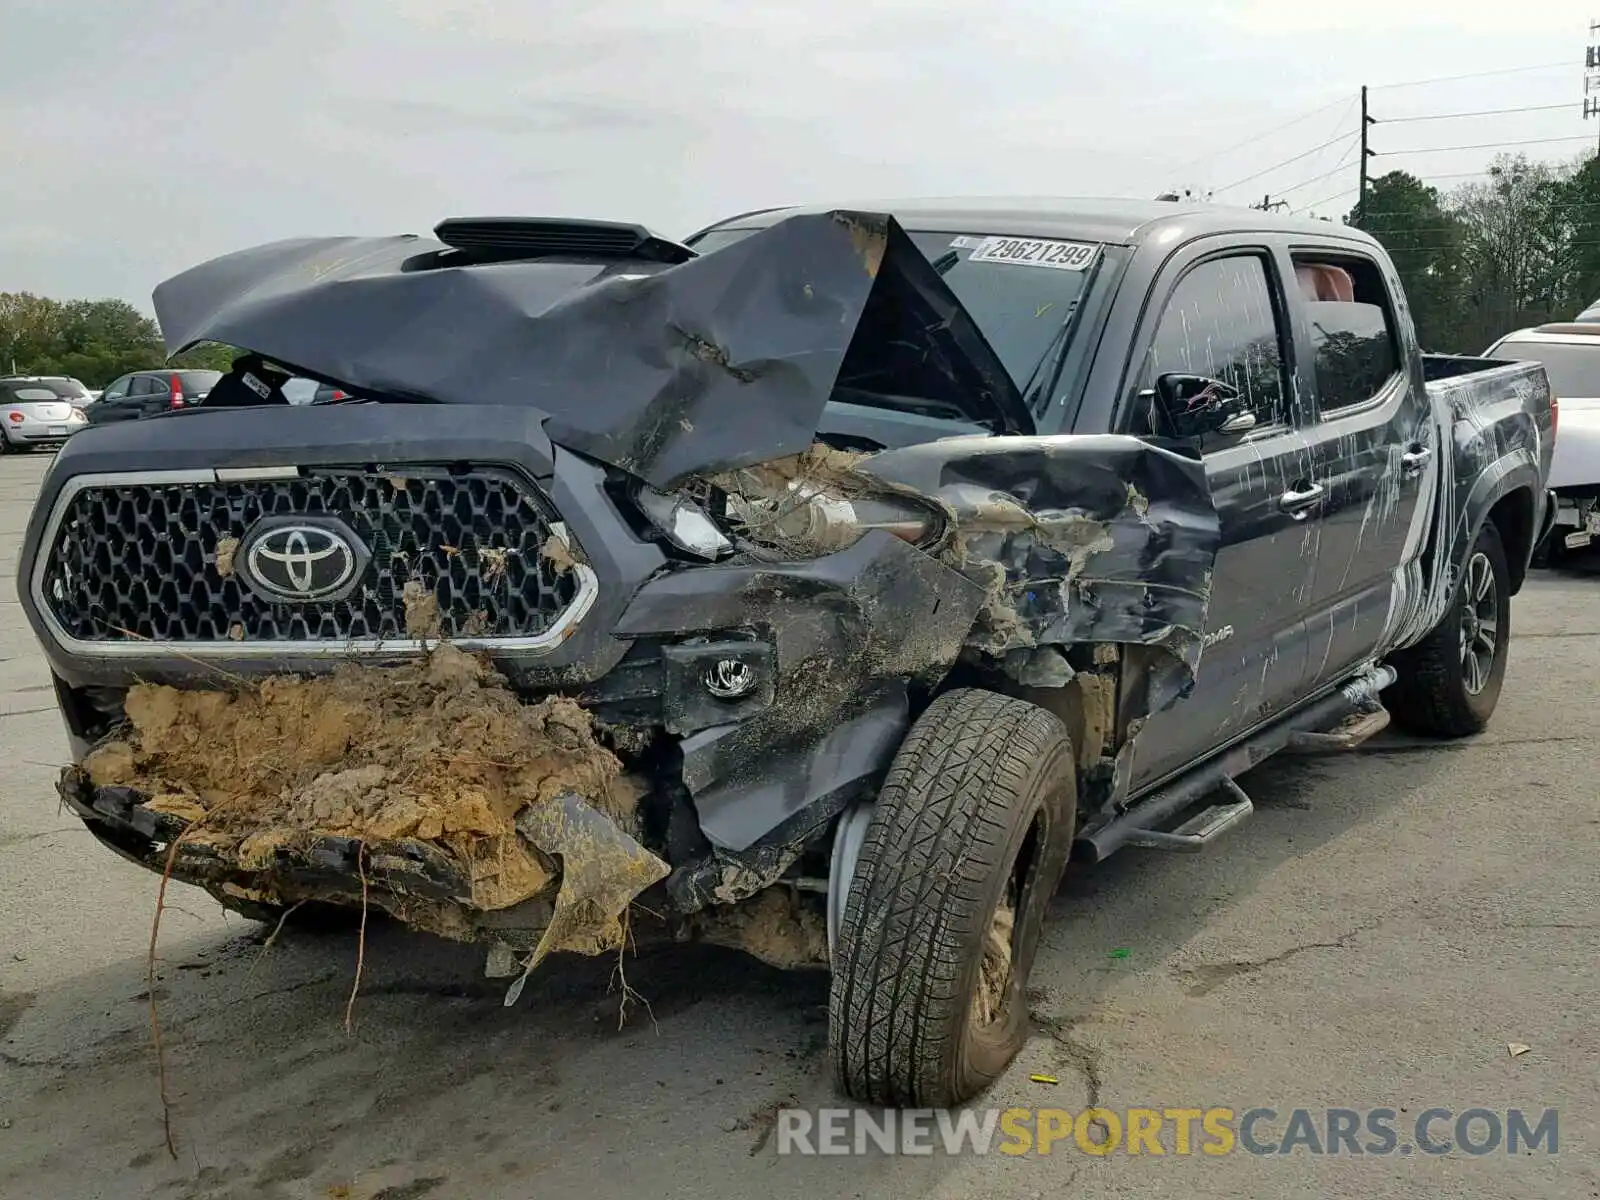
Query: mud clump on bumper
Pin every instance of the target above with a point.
(438, 752)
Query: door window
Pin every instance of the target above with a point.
(117, 390)
(1223, 322)
(146, 385)
(1355, 349)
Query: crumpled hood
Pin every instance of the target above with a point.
(663, 371)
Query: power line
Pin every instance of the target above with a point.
(1250, 141)
(1487, 112)
(1332, 104)
(1313, 179)
(1286, 162)
(1450, 175)
(1326, 200)
(1345, 157)
(1390, 211)
(1579, 137)
(1554, 209)
(1337, 167)
(1386, 87)
(1454, 246)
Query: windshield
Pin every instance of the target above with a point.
(1574, 369)
(1020, 291)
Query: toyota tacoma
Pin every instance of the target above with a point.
(823, 584)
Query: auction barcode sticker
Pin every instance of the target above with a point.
(1035, 252)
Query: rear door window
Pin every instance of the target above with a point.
(1354, 338)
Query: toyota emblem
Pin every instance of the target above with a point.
(301, 559)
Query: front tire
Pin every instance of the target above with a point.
(1449, 683)
(966, 844)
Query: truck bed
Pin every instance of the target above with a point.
(1438, 367)
(1498, 414)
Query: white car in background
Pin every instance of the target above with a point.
(1570, 352)
(40, 410)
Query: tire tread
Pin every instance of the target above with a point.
(944, 817)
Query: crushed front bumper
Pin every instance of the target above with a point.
(837, 643)
(323, 868)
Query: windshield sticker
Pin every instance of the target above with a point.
(1036, 252)
(965, 243)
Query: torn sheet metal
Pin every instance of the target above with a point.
(848, 631)
(602, 870)
(722, 361)
(1078, 539)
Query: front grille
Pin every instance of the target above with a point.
(137, 561)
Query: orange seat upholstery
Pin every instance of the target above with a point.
(1318, 281)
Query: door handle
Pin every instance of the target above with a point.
(1299, 504)
(1412, 461)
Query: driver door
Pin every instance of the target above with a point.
(1223, 316)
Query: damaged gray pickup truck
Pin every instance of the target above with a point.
(821, 587)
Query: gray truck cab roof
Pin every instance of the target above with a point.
(1118, 222)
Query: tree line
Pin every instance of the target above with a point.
(93, 341)
(1520, 247)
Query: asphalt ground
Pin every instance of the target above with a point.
(1376, 936)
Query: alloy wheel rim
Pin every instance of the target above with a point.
(1480, 623)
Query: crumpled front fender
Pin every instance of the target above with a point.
(1079, 540)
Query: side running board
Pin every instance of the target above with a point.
(1352, 732)
(1203, 827)
(1337, 722)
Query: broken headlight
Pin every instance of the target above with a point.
(683, 522)
(805, 518)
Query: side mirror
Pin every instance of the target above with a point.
(1195, 406)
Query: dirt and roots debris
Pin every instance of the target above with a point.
(438, 750)
(559, 553)
(227, 550)
(994, 973)
(423, 620)
(774, 925)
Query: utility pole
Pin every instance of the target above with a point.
(1591, 76)
(1366, 152)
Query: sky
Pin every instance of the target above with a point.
(137, 139)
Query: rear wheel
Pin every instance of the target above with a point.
(965, 847)
(1449, 683)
